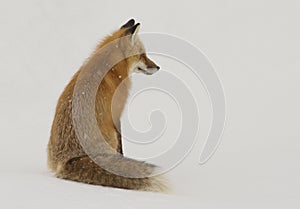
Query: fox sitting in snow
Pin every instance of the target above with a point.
(66, 156)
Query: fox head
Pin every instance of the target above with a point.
(128, 44)
(140, 62)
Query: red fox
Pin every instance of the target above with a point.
(66, 156)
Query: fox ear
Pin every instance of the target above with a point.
(130, 23)
(132, 31)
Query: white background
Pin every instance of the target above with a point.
(254, 46)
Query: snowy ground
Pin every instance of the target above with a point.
(35, 190)
(254, 46)
(42, 191)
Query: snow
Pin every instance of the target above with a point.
(36, 190)
(254, 46)
(40, 190)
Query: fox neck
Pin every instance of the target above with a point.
(121, 71)
(116, 85)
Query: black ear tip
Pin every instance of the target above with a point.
(129, 23)
(132, 29)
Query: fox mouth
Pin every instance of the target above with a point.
(144, 71)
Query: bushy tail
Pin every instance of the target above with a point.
(84, 169)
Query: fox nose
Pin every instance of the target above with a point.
(157, 67)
